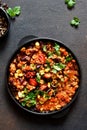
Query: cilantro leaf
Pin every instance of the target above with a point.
(50, 54)
(44, 48)
(10, 12)
(58, 66)
(57, 47)
(68, 58)
(23, 103)
(38, 77)
(75, 22)
(39, 92)
(17, 10)
(13, 12)
(70, 3)
(31, 103)
(29, 100)
(54, 71)
(31, 95)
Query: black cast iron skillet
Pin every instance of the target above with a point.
(26, 41)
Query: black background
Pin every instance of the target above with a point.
(45, 18)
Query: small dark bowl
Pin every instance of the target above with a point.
(58, 113)
(6, 17)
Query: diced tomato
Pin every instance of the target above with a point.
(64, 52)
(30, 74)
(66, 79)
(41, 58)
(25, 68)
(33, 82)
(43, 86)
(47, 75)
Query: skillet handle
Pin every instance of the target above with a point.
(26, 39)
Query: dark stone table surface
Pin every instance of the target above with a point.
(45, 18)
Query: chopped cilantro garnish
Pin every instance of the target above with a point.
(31, 95)
(54, 71)
(29, 100)
(68, 58)
(50, 54)
(58, 66)
(38, 77)
(23, 103)
(57, 47)
(39, 92)
(44, 48)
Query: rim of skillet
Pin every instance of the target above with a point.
(26, 43)
(5, 15)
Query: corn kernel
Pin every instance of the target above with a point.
(37, 44)
(41, 72)
(47, 69)
(41, 81)
(16, 75)
(48, 84)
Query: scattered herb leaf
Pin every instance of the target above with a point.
(70, 3)
(58, 66)
(75, 22)
(38, 77)
(31, 95)
(10, 12)
(39, 92)
(57, 47)
(13, 12)
(50, 54)
(17, 10)
(44, 48)
(68, 58)
(29, 100)
(54, 71)
(23, 103)
(32, 103)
